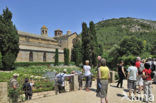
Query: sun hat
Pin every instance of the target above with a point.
(65, 70)
(15, 75)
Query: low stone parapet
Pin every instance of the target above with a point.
(112, 76)
(3, 92)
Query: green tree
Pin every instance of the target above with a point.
(0, 61)
(76, 51)
(131, 46)
(56, 58)
(100, 50)
(86, 51)
(153, 52)
(66, 56)
(93, 43)
(9, 40)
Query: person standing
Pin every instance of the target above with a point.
(121, 73)
(104, 76)
(99, 64)
(14, 88)
(87, 74)
(140, 66)
(154, 70)
(27, 89)
(147, 82)
(132, 77)
(60, 80)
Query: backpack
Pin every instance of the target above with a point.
(153, 66)
(60, 79)
(152, 74)
(27, 88)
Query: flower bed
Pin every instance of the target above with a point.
(37, 74)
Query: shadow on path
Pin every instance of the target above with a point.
(92, 89)
(120, 95)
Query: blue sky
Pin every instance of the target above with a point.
(30, 15)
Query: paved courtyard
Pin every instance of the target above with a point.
(115, 95)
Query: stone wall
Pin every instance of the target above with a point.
(38, 56)
(3, 92)
(23, 56)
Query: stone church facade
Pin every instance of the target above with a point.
(41, 48)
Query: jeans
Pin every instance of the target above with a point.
(88, 81)
(147, 90)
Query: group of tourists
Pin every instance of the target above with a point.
(140, 73)
(139, 77)
(14, 87)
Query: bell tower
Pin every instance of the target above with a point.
(44, 31)
(58, 33)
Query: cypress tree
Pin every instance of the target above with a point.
(93, 44)
(0, 61)
(86, 51)
(56, 57)
(66, 56)
(9, 47)
(100, 50)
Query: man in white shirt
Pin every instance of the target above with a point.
(132, 77)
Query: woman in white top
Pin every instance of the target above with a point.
(87, 74)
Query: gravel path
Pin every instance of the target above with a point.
(115, 95)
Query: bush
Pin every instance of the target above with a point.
(66, 56)
(23, 64)
(56, 57)
(1, 61)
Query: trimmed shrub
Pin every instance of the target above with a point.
(66, 56)
(56, 57)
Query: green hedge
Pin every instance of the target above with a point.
(21, 64)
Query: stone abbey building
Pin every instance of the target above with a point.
(41, 48)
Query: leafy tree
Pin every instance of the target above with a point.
(153, 52)
(9, 40)
(86, 51)
(56, 58)
(131, 46)
(66, 56)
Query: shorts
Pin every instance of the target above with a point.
(132, 84)
(140, 80)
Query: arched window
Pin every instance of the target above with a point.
(44, 56)
(74, 40)
(42, 31)
(31, 56)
